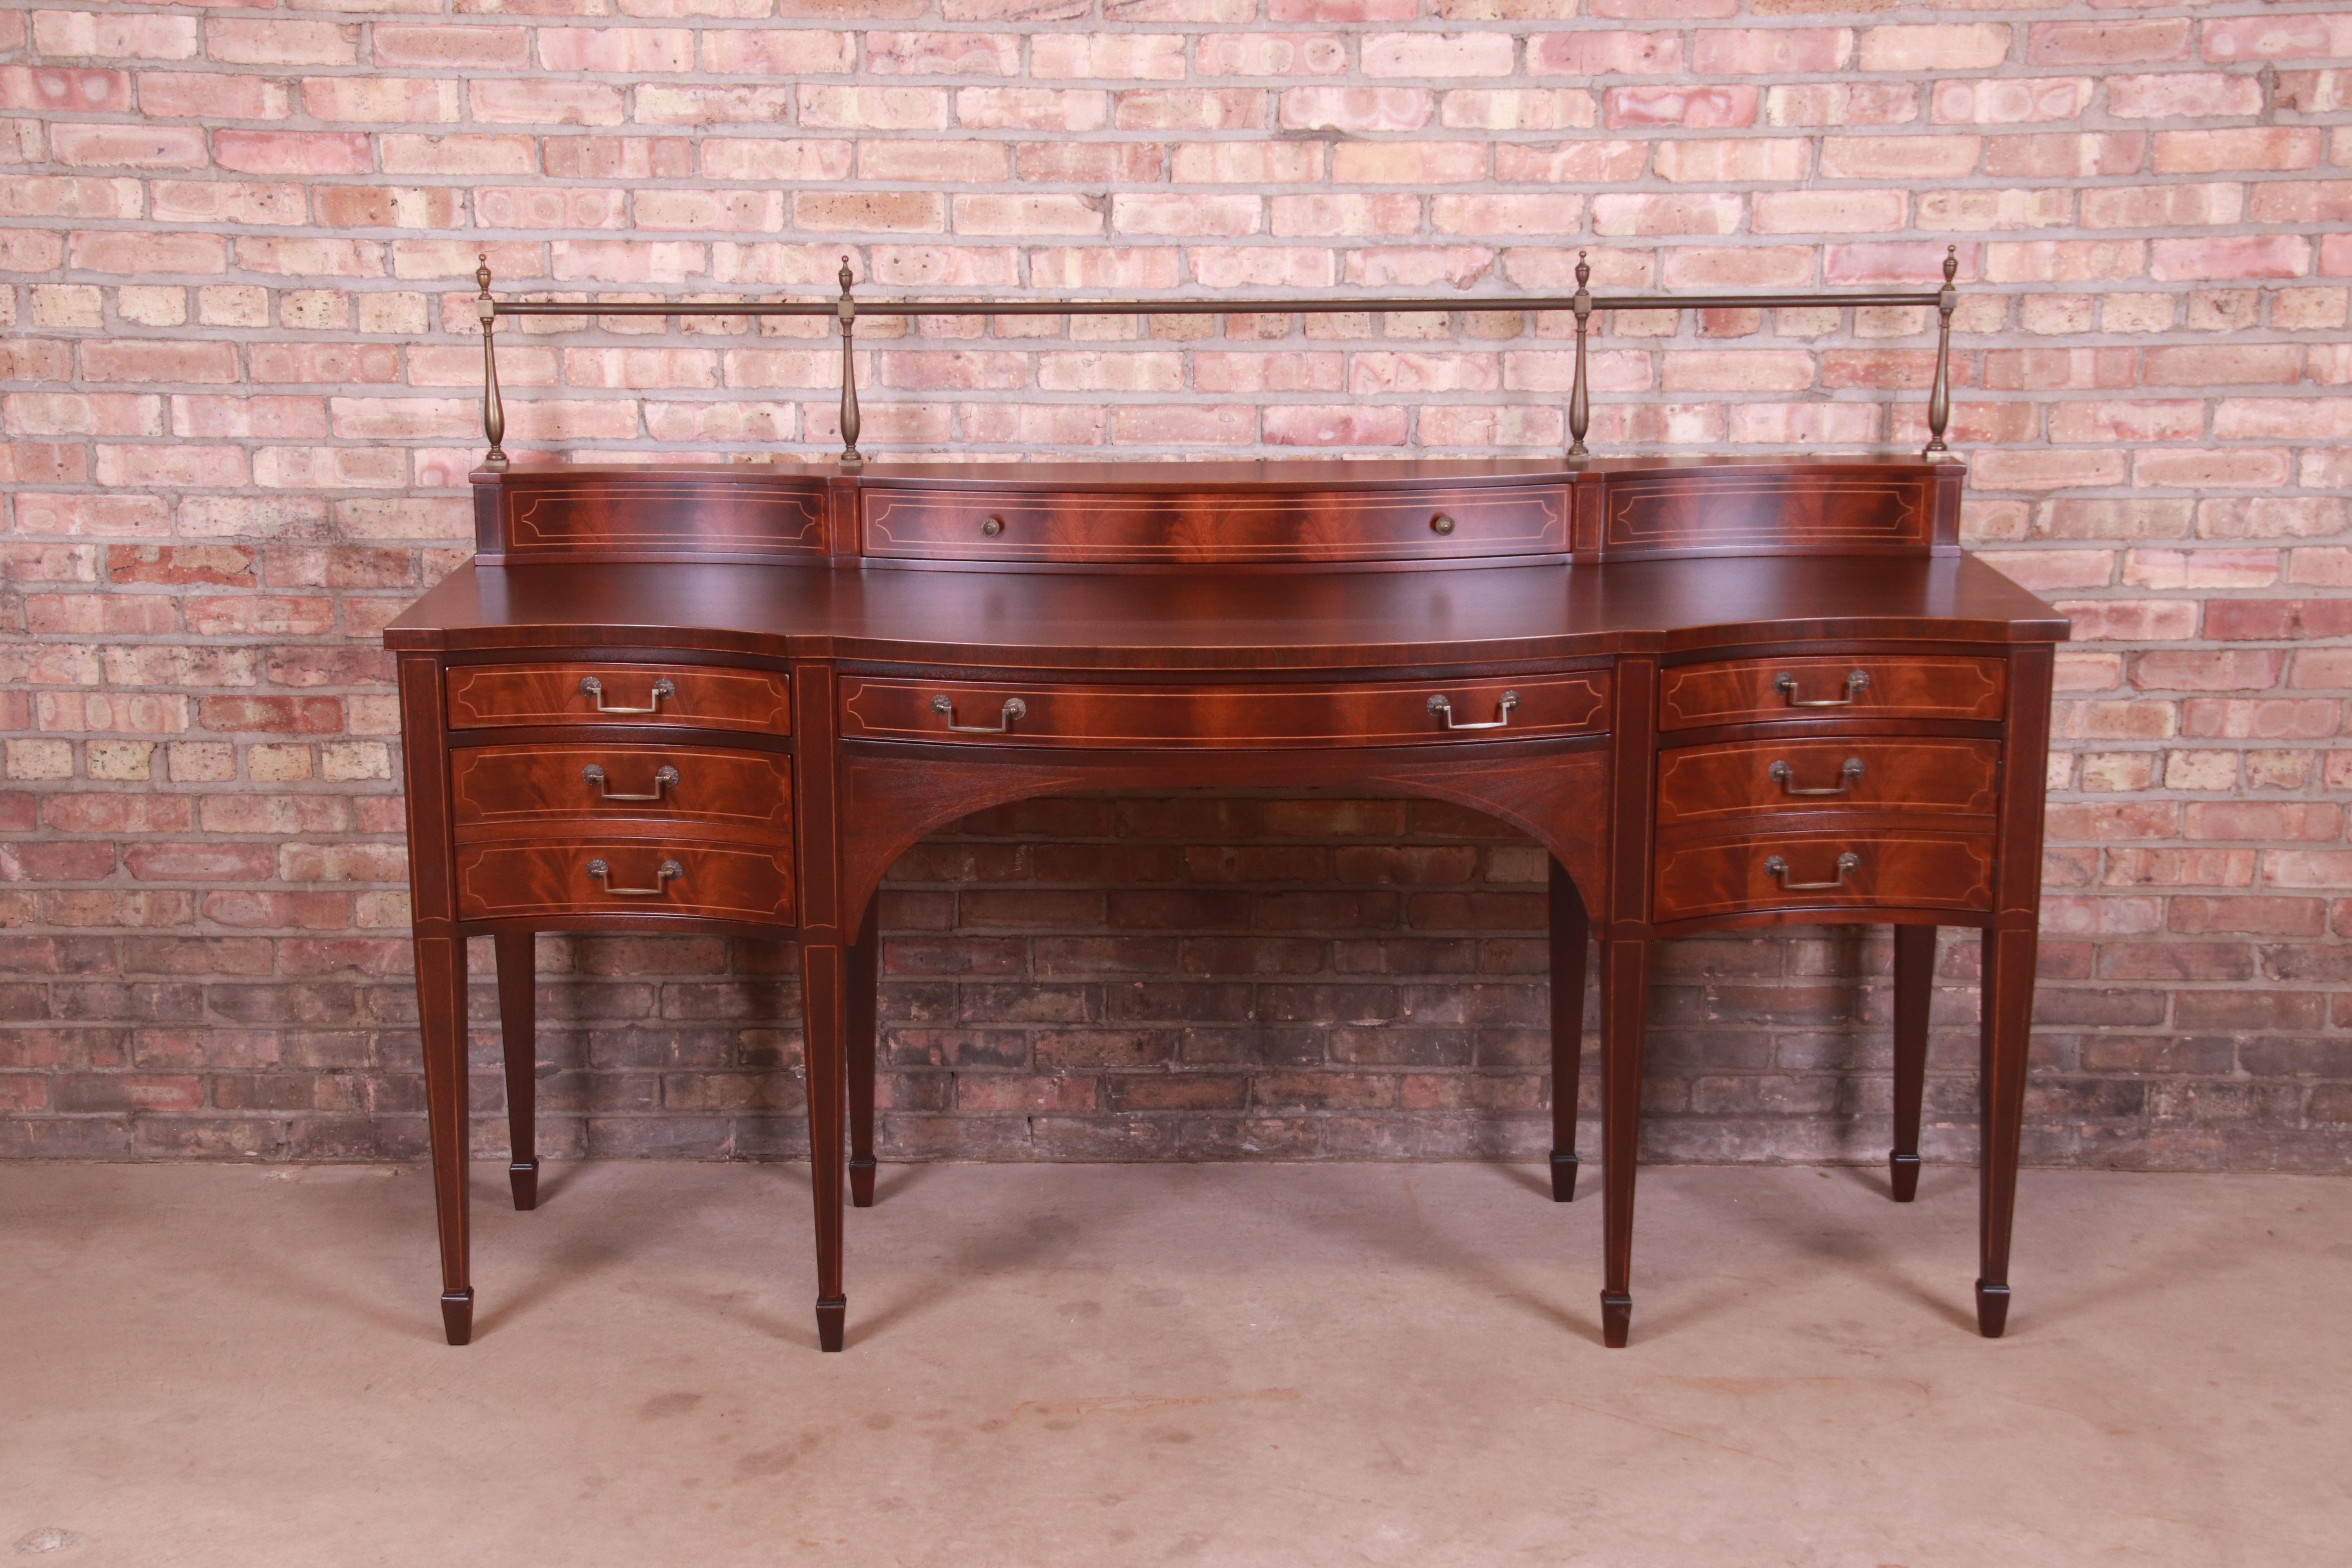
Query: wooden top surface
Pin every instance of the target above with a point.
(1212, 619)
(1267, 473)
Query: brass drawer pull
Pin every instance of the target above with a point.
(1776, 866)
(991, 526)
(1780, 773)
(670, 872)
(1444, 710)
(595, 689)
(1855, 681)
(1442, 523)
(664, 779)
(1013, 709)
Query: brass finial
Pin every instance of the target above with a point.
(482, 273)
(844, 274)
(1584, 271)
(1951, 262)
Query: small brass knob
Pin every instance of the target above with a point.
(992, 527)
(1442, 523)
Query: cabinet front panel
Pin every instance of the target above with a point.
(568, 876)
(1830, 869)
(1432, 712)
(1705, 784)
(1113, 527)
(501, 787)
(485, 696)
(1830, 685)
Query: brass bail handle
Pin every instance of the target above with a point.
(1443, 710)
(1013, 709)
(665, 778)
(670, 872)
(1774, 866)
(1856, 682)
(1780, 774)
(594, 689)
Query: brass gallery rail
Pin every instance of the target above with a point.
(846, 310)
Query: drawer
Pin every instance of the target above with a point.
(611, 875)
(493, 788)
(483, 696)
(1429, 522)
(1855, 685)
(1709, 785)
(1898, 867)
(1208, 717)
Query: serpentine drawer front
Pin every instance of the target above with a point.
(498, 790)
(1707, 785)
(1114, 527)
(1857, 686)
(566, 876)
(1858, 867)
(1422, 712)
(686, 696)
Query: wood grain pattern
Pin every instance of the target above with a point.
(487, 696)
(497, 789)
(1897, 686)
(639, 515)
(1223, 718)
(547, 878)
(1699, 786)
(1812, 510)
(1923, 868)
(1431, 523)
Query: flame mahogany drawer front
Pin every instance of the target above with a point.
(1934, 867)
(567, 875)
(499, 789)
(1709, 785)
(699, 697)
(1830, 685)
(1420, 712)
(1141, 527)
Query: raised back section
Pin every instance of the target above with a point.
(1791, 507)
(564, 513)
(1291, 514)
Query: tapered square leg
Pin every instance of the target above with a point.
(1914, 991)
(822, 986)
(1572, 932)
(859, 1011)
(519, 1046)
(1624, 1002)
(441, 1020)
(2009, 957)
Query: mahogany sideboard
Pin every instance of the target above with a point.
(1720, 692)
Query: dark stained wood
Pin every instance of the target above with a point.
(483, 696)
(1004, 522)
(518, 1046)
(1229, 716)
(1915, 993)
(1924, 866)
(1925, 686)
(550, 877)
(506, 789)
(1221, 626)
(863, 974)
(624, 515)
(1571, 933)
(1706, 785)
(1790, 509)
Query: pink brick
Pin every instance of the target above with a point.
(129, 146)
(2315, 35)
(453, 46)
(2117, 41)
(1696, 108)
(134, 253)
(382, 99)
(1828, 212)
(1944, 49)
(631, 50)
(1408, 163)
(1024, 108)
(1746, 160)
(1648, 215)
(2177, 95)
(1190, 108)
(278, 42)
(1355, 109)
(539, 102)
(1521, 109)
(1843, 104)
(2010, 101)
(2241, 256)
(1776, 51)
(1589, 54)
(1270, 53)
(1107, 56)
(1293, 425)
(1571, 162)
(2068, 156)
(1424, 55)
(1292, 217)
(293, 152)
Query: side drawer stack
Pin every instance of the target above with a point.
(596, 788)
(1827, 782)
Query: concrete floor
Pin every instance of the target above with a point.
(1226, 1364)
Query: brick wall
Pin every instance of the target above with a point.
(237, 388)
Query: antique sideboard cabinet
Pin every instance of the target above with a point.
(1722, 692)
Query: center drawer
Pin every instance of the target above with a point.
(497, 789)
(1426, 522)
(1705, 784)
(1422, 712)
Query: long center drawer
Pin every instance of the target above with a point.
(1422, 712)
